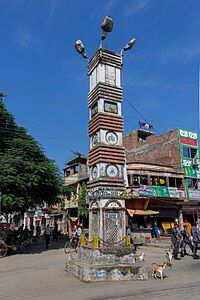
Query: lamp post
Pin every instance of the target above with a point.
(106, 159)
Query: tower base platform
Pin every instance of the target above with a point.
(106, 264)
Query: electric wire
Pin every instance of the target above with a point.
(159, 134)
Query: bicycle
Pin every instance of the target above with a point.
(71, 244)
(3, 248)
(19, 246)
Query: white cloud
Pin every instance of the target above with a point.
(138, 6)
(179, 52)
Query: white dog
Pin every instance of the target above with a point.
(169, 258)
(140, 257)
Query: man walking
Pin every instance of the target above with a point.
(176, 240)
(196, 239)
(47, 234)
(186, 240)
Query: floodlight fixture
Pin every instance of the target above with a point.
(106, 26)
(130, 44)
(80, 48)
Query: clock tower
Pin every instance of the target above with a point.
(106, 160)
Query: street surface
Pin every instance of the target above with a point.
(41, 275)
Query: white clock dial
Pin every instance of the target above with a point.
(95, 139)
(111, 138)
(112, 171)
(94, 172)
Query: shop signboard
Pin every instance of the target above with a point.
(194, 194)
(160, 191)
(146, 191)
(173, 192)
(184, 133)
(190, 172)
(105, 192)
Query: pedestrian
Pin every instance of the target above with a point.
(32, 228)
(185, 241)
(47, 234)
(26, 233)
(156, 230)
(78, 232)
(55, 233)
(176, 240)
(128, 231)
(195, 239)
(38, 230)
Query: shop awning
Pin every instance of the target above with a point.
(138, 212)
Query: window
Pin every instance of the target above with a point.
(134, 181)
(158, 180)
(186, 152)
(189, 152)
(193, 152)
(154, 180)
(110, 107)
(162, 181)
(192, 183)
(175, 182)
(179, 183)
(172, 182)
(94, 109)
(129, 180)
(144, 180)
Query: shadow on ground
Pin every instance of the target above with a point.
(41, 246)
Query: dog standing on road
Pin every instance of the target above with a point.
(158, 268)
(169, 258)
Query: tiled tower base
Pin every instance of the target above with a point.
(100, 265)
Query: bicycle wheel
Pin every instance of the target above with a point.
(68, 247)
(25, 246)
(3, 250)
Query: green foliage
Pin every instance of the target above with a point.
(82, 206)
(27, 177)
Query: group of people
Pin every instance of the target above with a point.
(185, 237)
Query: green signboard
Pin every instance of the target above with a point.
(158, 191)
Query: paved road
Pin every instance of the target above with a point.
(41, 276)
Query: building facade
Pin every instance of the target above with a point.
(177, 148)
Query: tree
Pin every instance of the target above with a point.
(82, 205)
(27, 177)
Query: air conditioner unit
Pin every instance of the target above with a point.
(195, 161)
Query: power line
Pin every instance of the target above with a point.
(159, 134)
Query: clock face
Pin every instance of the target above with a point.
(112, 171)
(94, 172)
(111, 138)
(95, 139)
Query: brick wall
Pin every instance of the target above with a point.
(155, 149)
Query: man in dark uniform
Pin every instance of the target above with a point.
(186, 240)
(176, 240)
(196, 239)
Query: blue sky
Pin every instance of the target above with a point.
(46, 83)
